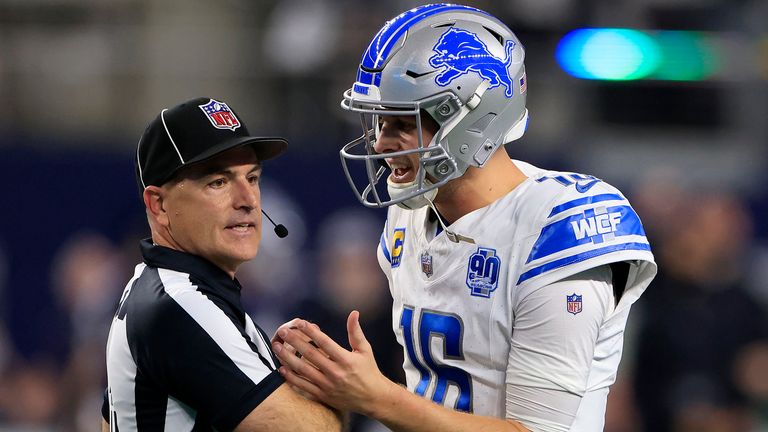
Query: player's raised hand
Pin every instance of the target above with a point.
(347, 380)
(357, 339)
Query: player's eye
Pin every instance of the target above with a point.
(253, 179)
(398, 124)
(407, 126)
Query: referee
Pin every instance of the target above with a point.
(182, 354)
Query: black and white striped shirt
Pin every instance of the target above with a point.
(182, 354)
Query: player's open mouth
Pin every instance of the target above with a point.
(401, 173)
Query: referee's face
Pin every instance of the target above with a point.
(214, 209)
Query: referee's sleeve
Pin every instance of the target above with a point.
(205, 358)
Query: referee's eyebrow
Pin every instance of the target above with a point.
(226, 171)
(201, 170)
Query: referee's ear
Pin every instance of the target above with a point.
(153, 201)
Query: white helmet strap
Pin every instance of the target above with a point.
(477, 96)
(518, 130)
(397, 190)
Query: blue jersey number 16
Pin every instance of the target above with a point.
(451, 329)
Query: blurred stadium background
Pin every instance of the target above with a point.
(666, 99)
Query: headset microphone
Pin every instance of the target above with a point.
(280, 229)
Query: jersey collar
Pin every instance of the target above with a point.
(197, 267)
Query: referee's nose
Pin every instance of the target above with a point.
(246, 194)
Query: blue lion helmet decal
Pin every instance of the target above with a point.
(462, 52)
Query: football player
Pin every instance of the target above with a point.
(511, 284)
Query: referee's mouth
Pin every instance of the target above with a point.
(242, 227)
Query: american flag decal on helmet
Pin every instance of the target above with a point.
(573, 303)
(220, 115)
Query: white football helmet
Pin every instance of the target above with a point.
(460, 65)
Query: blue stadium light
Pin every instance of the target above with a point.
(608, 54)
(624, 54)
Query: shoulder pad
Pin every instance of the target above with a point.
(587, 223)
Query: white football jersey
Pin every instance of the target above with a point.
(456, 304)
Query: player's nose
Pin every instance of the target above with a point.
(388, 139)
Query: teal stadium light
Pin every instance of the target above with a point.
(617, 54)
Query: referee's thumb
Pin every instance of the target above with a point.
(357, 339)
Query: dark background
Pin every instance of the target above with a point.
(80, 79)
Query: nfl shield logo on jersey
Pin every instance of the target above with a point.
(220, 115)
(574, 303)
(426, 264)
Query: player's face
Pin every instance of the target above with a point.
(398, 133)
(214, 210)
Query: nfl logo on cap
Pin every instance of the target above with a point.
(574, 303)
(220, 115)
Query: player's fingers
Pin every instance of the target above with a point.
(335, 351)
(289, 324)
(290, 348)
(357, 339)
(308, 349)
(299, 365)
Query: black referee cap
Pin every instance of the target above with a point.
(192, 132)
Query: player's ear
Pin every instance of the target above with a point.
(154, 197)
